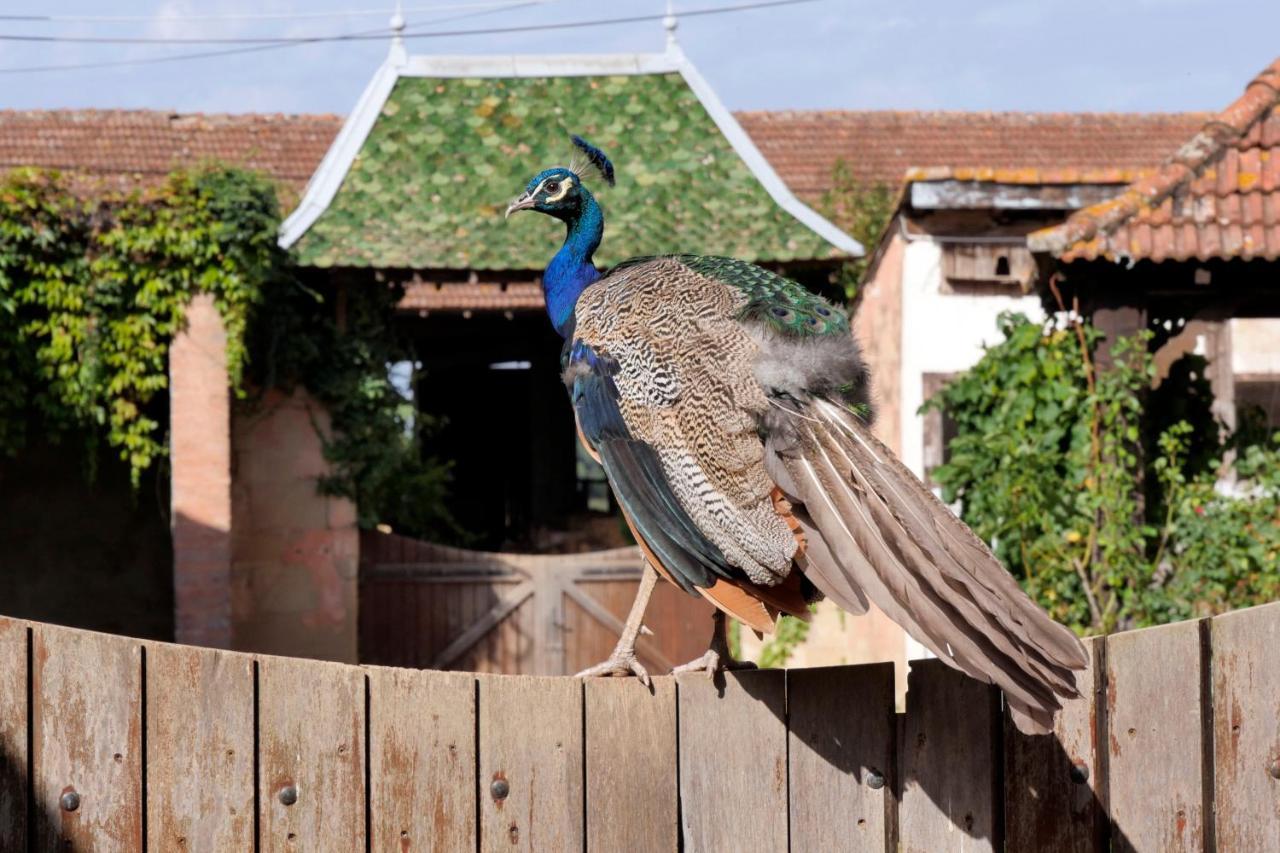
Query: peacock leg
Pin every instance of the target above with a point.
(717, 657)
(623, 660)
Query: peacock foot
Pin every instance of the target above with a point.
(713, 662)
(622, 662)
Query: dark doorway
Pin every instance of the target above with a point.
(518, 481)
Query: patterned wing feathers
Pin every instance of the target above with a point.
(686, 388)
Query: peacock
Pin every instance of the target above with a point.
(730, 409)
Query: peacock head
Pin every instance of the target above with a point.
(558, 191)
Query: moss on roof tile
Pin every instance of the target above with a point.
(429, 186)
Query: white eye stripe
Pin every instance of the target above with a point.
(564, 189)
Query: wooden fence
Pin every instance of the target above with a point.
(428, 605)
(108, 743)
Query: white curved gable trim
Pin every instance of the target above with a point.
(326, 181)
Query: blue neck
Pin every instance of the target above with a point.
(571, 270)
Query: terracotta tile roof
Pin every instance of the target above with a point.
(471, 296)
(124, 148)
(879, 147)
(1218, 196)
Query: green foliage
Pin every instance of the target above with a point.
(1099, 494)
(789, 633)
(861, 210)
(91, 293)
(375, 438)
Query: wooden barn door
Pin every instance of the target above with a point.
(433, 607)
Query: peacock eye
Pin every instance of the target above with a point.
(553, 186)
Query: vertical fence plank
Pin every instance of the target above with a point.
(199, 749)
(1053, 784)
(311, 756)
(87, 739)
(841, 757)
(1246, 726)
(422, 760)
(13, 734)
(632, 801)
(531, 746)
(1154, 738)
(733, 762)
(950, 752)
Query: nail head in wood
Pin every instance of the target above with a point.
(1079, 774)
(499, 789)
(70, 801)
(874, 779)
(1274, 769)
(288, 795)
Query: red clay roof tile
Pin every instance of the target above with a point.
(1217, 197)
(880, 147)
(125, 148)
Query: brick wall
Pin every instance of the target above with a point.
(200, 452)
(878, 325)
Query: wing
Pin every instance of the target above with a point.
(673, 430)
(636, 476)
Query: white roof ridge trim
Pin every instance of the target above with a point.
(333, 168)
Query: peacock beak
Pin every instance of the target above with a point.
(523, 202)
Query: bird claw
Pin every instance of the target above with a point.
(619, 664)
(711, 663)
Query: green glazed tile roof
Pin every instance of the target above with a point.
(445, 156)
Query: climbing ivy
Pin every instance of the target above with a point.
(93, 290)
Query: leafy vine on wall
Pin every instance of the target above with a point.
(93, 288)
(92, 291)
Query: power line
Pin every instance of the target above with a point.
(206, 54)
(382, 34)
(258, 16)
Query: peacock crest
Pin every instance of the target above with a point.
(595, 159)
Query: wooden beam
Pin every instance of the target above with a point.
(468, 638)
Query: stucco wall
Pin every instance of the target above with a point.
(941, 333)
(294, 551)
(1255, 346)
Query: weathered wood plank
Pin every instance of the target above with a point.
(1246, 728)
(531, 761)
(13, 734)
(87, 739)
(199, 749)
(422, 760)
(310, 750)
(1154, 738)
(1053, 783)
(841, 757)
(949, 753)
(733, 750)
(632, 799)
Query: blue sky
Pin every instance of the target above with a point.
(1123, 55)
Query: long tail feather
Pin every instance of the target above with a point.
(879, 533)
